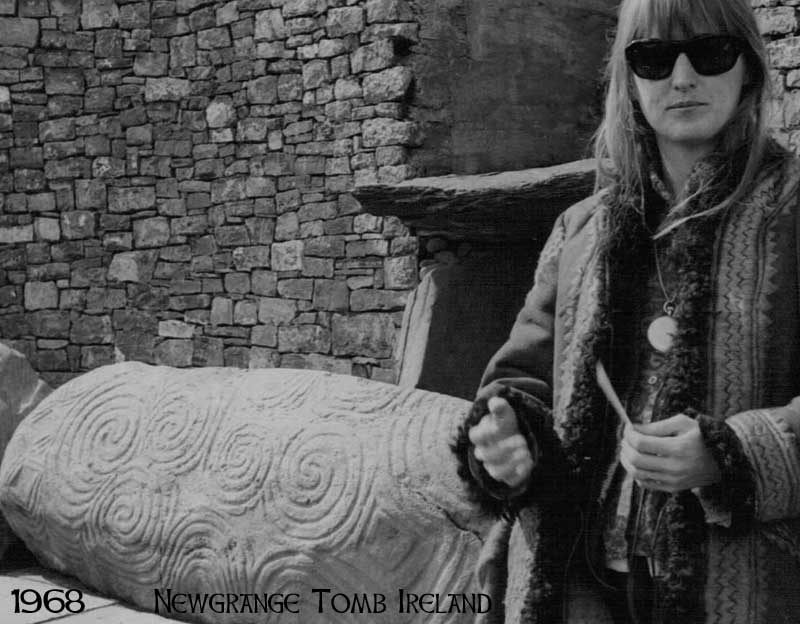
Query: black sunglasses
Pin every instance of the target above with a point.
(710, 55)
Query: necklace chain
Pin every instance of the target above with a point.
(669, 301)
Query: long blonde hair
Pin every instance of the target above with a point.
(619, 143)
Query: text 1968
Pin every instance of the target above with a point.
(31, 601)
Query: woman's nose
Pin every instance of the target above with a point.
(683, 74)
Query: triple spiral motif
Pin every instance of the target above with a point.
(135, 477)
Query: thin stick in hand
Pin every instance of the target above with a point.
(605, 385)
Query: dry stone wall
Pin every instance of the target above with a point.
(175, 180)
(778, 22)
(175, 175)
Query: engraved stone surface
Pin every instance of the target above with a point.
(21, 390)
(133, 477)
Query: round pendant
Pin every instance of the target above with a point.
(661, 332)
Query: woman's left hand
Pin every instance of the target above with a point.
(669, 455)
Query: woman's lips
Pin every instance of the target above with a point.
(681, 105)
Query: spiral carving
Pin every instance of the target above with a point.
(128, 515)
(24, 496)
(195, 558)
(416, 441)
(317, 492)
(23, 475)
(99, 434)
(179, 437)
(287, 571)
(284, 571)
(219, 480)
(238, 465)
(364, 396)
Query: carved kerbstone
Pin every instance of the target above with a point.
(134, 477)
(21, 390)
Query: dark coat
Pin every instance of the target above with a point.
(734, 548)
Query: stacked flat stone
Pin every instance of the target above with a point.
(175, 180)
(778, 22)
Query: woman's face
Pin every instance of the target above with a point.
(687, 109)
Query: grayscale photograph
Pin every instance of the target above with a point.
(400, 311)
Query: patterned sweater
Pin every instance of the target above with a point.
(735, 364)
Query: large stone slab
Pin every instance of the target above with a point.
(135, 478)
(21, 390)
(502, 206)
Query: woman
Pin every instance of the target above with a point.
(679, 279)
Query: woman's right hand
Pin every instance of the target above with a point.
(500, 446)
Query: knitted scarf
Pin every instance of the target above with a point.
(689, 258)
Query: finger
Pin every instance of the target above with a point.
(649, 444)
(626, 464)
(518, 477)
(505, 472)
(672, 426)
(499, 423)
(505, 466)
(649, 476)
(522, 462)
(504, 415)
(512, 472)
(479, 434)
(525, 467)
(485, 432)
(504, 450)
(655, 463)
(627, 457)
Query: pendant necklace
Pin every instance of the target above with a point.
(661, 331)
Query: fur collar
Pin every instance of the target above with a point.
(690, 259)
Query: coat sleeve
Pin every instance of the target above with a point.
(758, 452)
(759, 449)
(525, 361)
(521, 372)
(768, 439)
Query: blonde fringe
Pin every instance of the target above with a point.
(618, 142)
